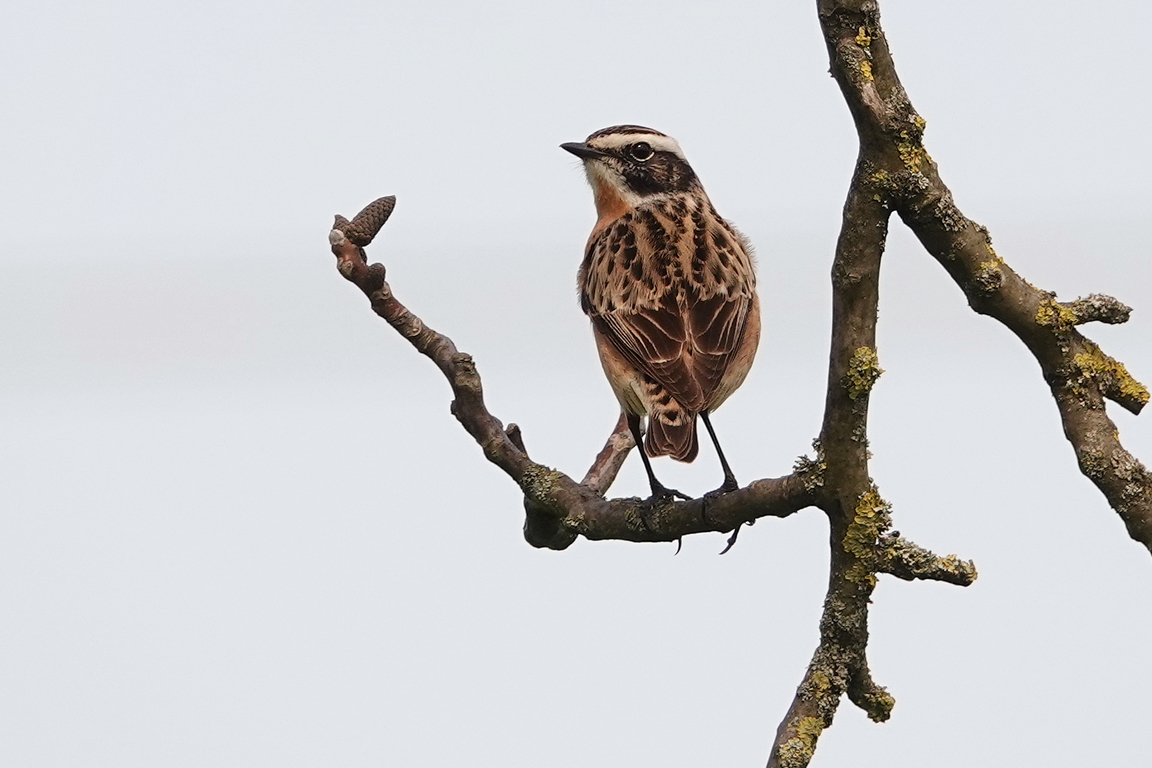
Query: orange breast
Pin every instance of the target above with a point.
(609, 206)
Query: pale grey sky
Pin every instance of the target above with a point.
(238, 526)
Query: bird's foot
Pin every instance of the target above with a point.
(660, 496)
(727, 486)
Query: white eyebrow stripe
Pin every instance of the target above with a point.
(659, 143)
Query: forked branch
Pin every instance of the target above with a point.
(893, 174)
(902, 174)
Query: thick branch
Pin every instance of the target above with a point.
(856, 513)
(1079, 374)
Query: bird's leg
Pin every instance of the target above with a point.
(729, 483)
(659, 492)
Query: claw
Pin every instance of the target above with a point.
(732, 539)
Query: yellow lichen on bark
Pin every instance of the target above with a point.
(798, 750)
(863, 370)
(1110, 373)
(1053, 314)
(870, 519)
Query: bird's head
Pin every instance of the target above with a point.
(627, 164)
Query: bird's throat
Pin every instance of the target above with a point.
(610, 204)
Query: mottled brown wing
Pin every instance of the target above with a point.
(671, 291)
(716, 327)
(721, 292)
(654, 339)
(632, 290)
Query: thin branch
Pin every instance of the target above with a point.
(905, 560)
(558, 509)
(604, 469)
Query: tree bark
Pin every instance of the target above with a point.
(893, 174)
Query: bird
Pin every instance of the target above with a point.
(670, 288)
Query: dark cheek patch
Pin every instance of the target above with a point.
(665, 172)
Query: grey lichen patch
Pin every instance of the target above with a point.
(1098, 308)
(1093, 463)
(908, 561)
(863, 370)
(812, 470)
(1109, 374)
(576, 521)
(539, 483)
(797, 751)
(949, 215)
(827, 678)
(1138, 482)
(871, 518)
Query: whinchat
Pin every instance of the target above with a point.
(670, 289)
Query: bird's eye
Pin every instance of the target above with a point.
(640, 151)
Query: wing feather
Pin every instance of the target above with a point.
(676, 323)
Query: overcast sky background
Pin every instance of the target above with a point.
(238, 526)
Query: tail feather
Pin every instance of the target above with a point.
(672, 432)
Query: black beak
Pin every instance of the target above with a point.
(583, 151)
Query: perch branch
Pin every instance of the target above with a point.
(558, 509)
